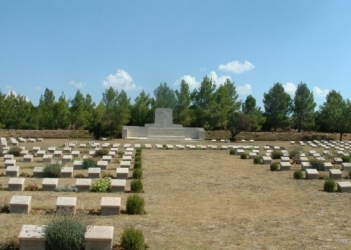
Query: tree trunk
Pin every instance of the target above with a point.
(341, 134)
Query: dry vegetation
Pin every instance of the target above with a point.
(210, 200)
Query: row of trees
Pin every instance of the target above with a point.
(210, 106)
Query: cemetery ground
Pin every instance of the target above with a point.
(206, 199)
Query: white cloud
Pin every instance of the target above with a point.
(320, 92)
(290, 88)
(218, 79)
(244, 90)
(78, 85)
(120, 80)
(236, 67)
(191, 80)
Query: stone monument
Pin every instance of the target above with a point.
(163, 129)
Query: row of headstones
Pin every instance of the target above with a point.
(15, 142)
(51, 184)
(326, 144)
(96, 237)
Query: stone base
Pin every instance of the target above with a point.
(118, 186)
(344, 187)
(32, 237)
(20, 204)
(311, 173)
(99, 237)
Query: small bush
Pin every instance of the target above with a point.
(52, 171)
(15, 151)
(244, 156)
(24, 175)
(276, 154)
(135, 204)
(138, 151)
(65, 188)
(232, 151)
(137, 164)
(346, 158)
(106, 174)
(298, 174)
(137, 173)
(79, 176)
(136, 186)
(132, 239)
(329, 185)
(295, 152)
(89, 163)
(317, 164)
(65, 231)
(120, 153)
(101, 152)
(32, 187)
(101, 185)
(274, 166)
(10, 243)
(258, 160)
(5, 208)
(137, 158)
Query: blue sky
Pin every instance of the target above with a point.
(134, 45)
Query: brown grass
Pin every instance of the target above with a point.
(210, 200)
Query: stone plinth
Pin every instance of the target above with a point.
(267, 159)
(38, 172)
(9, 163)
(51, 149)
(122, 173)
(49, 184)
(346, 166)
(335, 174)
(102, 164)
(124, 164)
(67, 172)
(67, 158)
(57, 153)
(344, 186)
(304, 159)
(327, 166)
(32, 237)
(83, 185)
(47, 158)
(40, 153)
(16, 184)
(118, 185)
(305, 165)
(94, 173)
(12, 171)
(67, 150)
(99, 237)
(110, 205)
(311, 173)
(337, 160)
(78, 164)
(20, 204)
(252, 155)
(127, 158)
(66, 204)
(28, 158)
(8, 157)
(284, 159)
(284, 166)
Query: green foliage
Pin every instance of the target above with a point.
(106, 174)
(232, 151)
(276, 154)
(66, 188)
(137, 173)
(295, 151)
(101, 185)
(52, 171)
(244, 156)
(32, 187)
(258, 160)
(15, 151)
(132, 239)
(66, 231)
(329, 185)
(79, 176)
(101, 152)
(137, 157)
(89, 163)
(135, 204)
(274, 166)
(346, 158)
(137, 164)
(298, 174)
(317, 164)
(141, 112)
(11, 243)
(136, 186)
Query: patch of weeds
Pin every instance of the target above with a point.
(32, 187)
(66, 188)
(15, 151)
(79, 176)
(106, 174)
(52, 171)
(101, 152)
(11, 243)
(25, 175)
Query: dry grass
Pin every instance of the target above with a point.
(210, 200)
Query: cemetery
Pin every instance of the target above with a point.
(199, 192)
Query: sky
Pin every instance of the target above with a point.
(89, 46)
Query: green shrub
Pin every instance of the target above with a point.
(295, 151)
(274, 166)
(136, 186)
(138, 151)
(135, 204)
(132, 239)
(120, 153)
(65, 231)
(329, 185)
(346, 158)
(79, 176)
(233, 151)
(317, 164)
(276, 154)
(32, 187)
(89, 163)
(11, 243)
(137, 173)
(101, 152)
(65, 188)
(52, 171)
(244, 156)
(258, 160)
(137, 158)
(101, 185)
(137, 164)
(15, 151)
(298, 174)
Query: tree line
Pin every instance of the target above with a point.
(210, 106)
